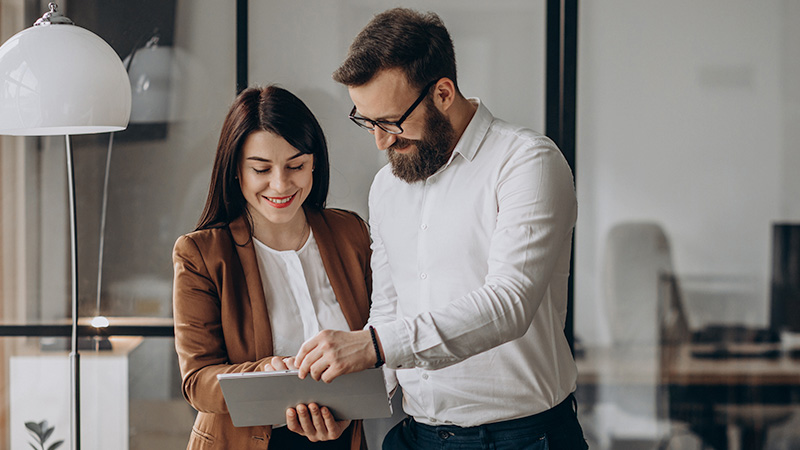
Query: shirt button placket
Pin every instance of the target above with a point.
(423, 242)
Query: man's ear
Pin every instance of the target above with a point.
(444, 93)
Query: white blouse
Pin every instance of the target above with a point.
(300, 299)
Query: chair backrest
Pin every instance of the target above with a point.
(637, 258)
(638, 276)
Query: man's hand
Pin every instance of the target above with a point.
(315, 423)
(332, 353)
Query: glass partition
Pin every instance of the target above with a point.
(137, 191)
(687, 146)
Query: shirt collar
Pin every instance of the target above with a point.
(473, 135)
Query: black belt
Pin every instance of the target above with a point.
(536, 422)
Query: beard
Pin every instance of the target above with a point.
(433, 150)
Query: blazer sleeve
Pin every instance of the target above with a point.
(364, 243)
(199, 339)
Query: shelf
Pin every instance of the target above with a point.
(118, 326)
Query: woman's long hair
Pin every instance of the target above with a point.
(270, 109)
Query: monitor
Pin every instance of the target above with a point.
(785, 286)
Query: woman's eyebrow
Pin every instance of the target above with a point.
(260, 159)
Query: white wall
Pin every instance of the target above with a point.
(789, 73)
(684, 119)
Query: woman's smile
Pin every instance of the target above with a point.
(280, 202)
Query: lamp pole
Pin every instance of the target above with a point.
(74, 356)
(45, 90)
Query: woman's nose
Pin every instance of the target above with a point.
(280, 181)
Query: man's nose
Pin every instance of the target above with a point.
(383, 140)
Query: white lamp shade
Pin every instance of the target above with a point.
(61, 79)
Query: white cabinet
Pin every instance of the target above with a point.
(40, 390)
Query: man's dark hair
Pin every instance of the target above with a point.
(418, 43)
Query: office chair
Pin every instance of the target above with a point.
(634, 415)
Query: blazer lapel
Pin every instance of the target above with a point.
(262, 332)
(331, 259)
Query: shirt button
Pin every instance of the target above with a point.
(423, 275)
(423, 226)
(424, 376)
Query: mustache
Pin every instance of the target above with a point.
(401, 143)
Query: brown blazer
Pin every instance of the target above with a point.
(221, 319)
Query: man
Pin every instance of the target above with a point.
(471, 225)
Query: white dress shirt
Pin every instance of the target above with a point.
(470, 272)
(299, 296)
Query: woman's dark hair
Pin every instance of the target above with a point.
(270, 109)
(417, 43)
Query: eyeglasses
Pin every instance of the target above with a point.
(385, 125)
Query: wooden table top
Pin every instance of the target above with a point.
(678, 365)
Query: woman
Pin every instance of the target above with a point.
(267, 268)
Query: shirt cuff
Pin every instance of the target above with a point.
(396, 344)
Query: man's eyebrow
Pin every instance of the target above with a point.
(379, 119)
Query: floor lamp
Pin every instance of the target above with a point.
(59, 79)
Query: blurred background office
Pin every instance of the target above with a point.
(687, 149)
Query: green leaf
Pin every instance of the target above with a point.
(35, 427)
(56, 445)
(37, 438)
(47, 434)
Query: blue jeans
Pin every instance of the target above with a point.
(554, 429)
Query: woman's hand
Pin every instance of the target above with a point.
(315, 423)
(311, 421)
(279, 363)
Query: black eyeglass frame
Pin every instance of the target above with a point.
(362, 121)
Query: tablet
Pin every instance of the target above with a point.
(261, 398)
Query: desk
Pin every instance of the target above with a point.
(684, 369)
(705, 393)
